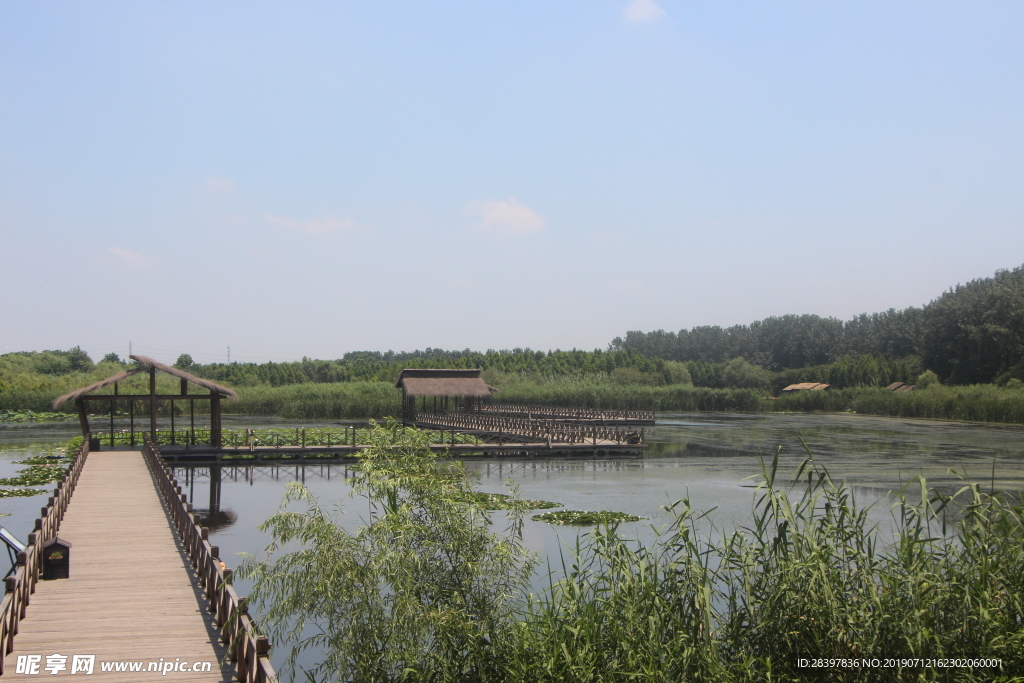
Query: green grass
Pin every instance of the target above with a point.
(339, 401)
(361, 400)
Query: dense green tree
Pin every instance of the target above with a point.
(741, 374)
(972, 334)
(975, 332)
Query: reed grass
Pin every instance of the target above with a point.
(337, 401)
(363, 400)
(810, 578)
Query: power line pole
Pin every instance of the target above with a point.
(229, 355)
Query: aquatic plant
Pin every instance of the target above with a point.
(20, 493)
(423, 591)
(32, 416)
(582, 518)
(502, 501)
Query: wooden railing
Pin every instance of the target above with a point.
(508, 429)
(247, 438)
(246, 647)
(570, 414)
(21, 584)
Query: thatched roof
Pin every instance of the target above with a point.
(808, 386)
(58, 402)
(146, 362)
(417, 382)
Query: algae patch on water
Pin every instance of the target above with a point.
(501, 501)
(584, 518)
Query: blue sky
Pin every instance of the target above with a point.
(311, 178)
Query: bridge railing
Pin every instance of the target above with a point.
(246, 647)
(511, 429)
(20, 585)
(565, 413)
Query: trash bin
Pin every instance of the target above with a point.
(56, 559)
(94, 443)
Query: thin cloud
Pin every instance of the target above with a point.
(219, 185)
(331, 224)
(643, 11)
(130, 259)
(504, 217)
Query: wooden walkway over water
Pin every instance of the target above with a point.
(136, 592)
(132, 594)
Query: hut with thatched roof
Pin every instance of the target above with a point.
(440, 391)
(807, 386)
(85, 395)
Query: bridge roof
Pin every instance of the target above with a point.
(145, 362)
(443, 382)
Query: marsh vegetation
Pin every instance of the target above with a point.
(436, 589)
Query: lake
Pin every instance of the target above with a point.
(710, 458)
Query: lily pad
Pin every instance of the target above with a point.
(16, 493)
(501, 501)
(584, 518)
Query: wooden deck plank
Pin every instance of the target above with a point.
(132, 595)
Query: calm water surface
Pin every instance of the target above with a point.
(711, 459)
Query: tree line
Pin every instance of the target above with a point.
(971, 334)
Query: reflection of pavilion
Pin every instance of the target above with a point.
(212, 517)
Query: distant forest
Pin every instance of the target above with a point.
(971, 334)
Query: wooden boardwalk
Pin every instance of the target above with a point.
(132, 595)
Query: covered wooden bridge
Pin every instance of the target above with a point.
(150, 401)
(460, 401)
(442, 391)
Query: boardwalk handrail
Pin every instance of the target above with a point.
(508, 429)
(566, 413)
(246, 647)
(20, 585)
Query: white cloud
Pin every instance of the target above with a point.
(643, 11)
(331, 224)
(219, 185)
(130, 259)
(505, 218)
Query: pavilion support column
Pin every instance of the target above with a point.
(215, 419)
(83, 419)
(152, 404)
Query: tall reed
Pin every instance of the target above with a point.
(811, 577)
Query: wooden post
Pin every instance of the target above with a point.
(215, 432)
(152, 404)
(83, 419)
(172, 423)
(131, 421)
(112, 419)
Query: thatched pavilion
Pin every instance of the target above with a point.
(85, 395)
(441, 391)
